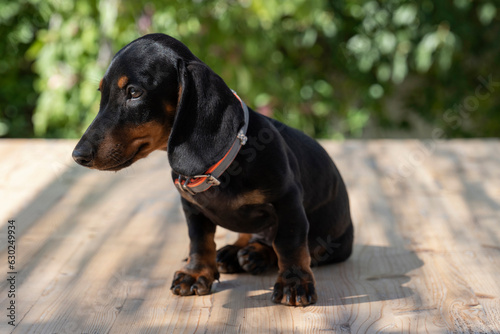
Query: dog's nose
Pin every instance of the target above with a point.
(83, 156)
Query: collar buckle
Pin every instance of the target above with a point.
(183, 184)
(209, 179)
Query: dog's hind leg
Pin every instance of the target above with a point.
(327, 248)
(331, 233)
(257, 258)
(249, 253)
(227, 256)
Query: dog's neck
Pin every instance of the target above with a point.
(199, 183)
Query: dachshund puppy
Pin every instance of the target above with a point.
(233, 167)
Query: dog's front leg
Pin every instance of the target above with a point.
(200, 271)
(295, 285)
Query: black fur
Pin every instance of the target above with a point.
(282, 188)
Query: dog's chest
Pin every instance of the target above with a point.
(244, 213)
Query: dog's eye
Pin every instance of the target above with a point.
(133, 92)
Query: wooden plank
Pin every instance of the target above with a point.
(27, 167)
(98, 250)
(441, 234)
(363, 290)
(477, 167)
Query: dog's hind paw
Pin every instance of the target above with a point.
(227, 260)
(257, 258)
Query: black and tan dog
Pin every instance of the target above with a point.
(232, 166)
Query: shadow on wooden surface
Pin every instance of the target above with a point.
(361, 279)
(97, 251)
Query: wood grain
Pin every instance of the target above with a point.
(97, 251)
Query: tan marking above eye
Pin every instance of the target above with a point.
(100, 84)
(122, 82)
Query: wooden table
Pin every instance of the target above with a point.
(96, 251)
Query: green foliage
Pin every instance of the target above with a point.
(333, 69)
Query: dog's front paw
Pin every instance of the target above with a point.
(256, 258)
(227, 259)
(187, 283)
(295, 287)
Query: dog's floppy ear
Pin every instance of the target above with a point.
(207, 120)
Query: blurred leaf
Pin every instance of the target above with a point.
(486, 13)
(404, 15)
(332, 69)
(357, 119)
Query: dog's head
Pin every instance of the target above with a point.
(156, 95)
